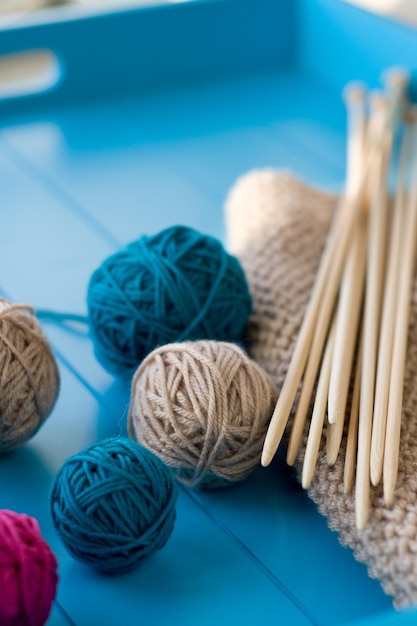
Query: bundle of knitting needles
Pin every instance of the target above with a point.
(348, 364)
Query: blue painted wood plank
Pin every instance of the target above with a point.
(200, 561)
(58, 617)
(338, 42)
(78, 181)
(83, 415)
(26, 473)
(149, 49)
(274, 518)
(196, 563)
(405, 617)
(48, 254)
(139, 164)
(200, 576)
(85, 187)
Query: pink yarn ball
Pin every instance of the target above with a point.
(28, 572)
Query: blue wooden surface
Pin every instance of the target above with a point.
(78, 180)
(148, 50)
(356, 44)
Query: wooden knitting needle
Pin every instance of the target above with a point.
(349, 303)
(405, 278)
(319, 412)
(352, 436)
(327, 280)
(396, 83)
(349, 308)
(314, 358)
(388, 321)
(328, 273)
(354, 95)
(372, 305)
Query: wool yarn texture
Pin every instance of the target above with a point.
(203, 407)
(113, 504)
(174, 286)
(277, 225)
(28, 572)
(29, 376)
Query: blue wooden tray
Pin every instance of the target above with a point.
(142, 119)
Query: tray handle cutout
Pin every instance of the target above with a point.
(29, 72)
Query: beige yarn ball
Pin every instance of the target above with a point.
(29, 377)
(203, 407)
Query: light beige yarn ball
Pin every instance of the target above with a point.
(29, 377)
(203, 408)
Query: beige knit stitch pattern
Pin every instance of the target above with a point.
(29, 377)
(277, 226)
(203, 407)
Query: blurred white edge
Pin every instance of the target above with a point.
(399, 10)
(18, 13)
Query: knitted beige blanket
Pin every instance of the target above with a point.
(277, 226)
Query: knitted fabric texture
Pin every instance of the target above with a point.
(277, 226)
(113, 504)
(203, 407)
(29, 377)
(28, 572)
(175, 286)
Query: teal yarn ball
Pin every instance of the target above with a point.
(175, 286)
(113, 504)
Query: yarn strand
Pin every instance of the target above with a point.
(175, 286)
(29, 376)
(113, 504)
(203, 407)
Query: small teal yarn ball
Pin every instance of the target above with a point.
(175, 286)
(113, 504)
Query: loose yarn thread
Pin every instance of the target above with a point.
(28, 572)
(113, 504)
(203, 407)
(29, 376)
(177, 285)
